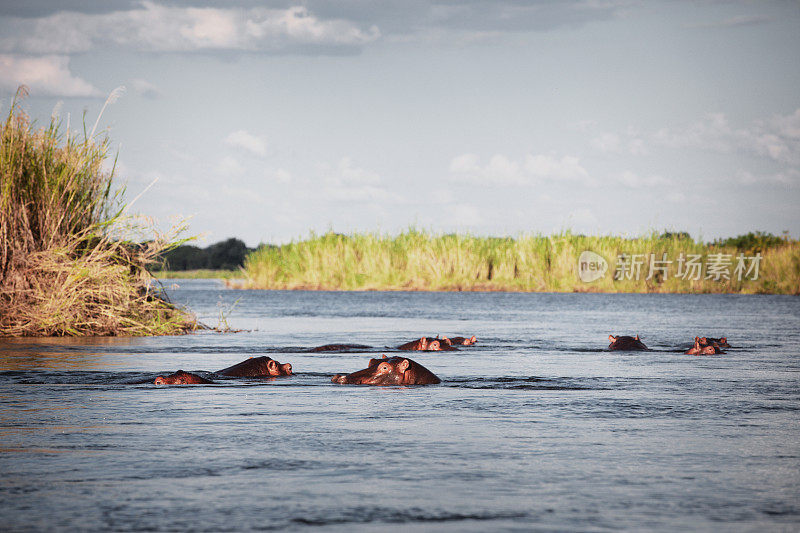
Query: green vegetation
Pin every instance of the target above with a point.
(67, 263)
(198, 274)
(224, 255)
(417, 260)
(753, 242)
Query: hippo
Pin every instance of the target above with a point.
(339, 347)
(389, 371)
(464, 341)
(182, 378)
(257, 367)
(722, 342)
(622, 342)
(703, 348)
(422, 345)
(444, 344)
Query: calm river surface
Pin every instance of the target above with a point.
(537, 427)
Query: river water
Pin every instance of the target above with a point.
(537, 427)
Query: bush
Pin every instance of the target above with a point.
(67, 266)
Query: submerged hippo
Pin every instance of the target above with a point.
(422, 345)
(443, 344)
(389, 371)
(182, 378)
(621, 342)
(464, 341)
(339, 347)
(703, 347)
(722, 342)
(257, 367)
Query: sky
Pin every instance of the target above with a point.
(267, 120)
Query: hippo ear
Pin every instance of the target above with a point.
(723, 339)
(637, 336)
(403, 365)
(384, 356)
(373, 362)
(612, 338)
(473, 339)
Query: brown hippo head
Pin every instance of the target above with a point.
(181, 378)
(257, 367)
(439, 344)
(389, 371)
(703, 346)
(622, 342)
(464, 341)
(418, 345)
(722, 342)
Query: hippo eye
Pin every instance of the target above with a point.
(384, 367)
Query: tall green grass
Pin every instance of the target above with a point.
(67, 266)
(416, 260)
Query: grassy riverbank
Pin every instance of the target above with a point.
(417, 260)
(198, 274)
(68, 261)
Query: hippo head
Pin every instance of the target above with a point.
(277, 369)
(389, 371)
(623, 342)
(257, 367)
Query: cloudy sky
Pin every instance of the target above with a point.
(268, 119)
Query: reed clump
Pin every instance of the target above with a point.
(67, 266)
(418, 260)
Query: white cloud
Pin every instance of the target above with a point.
(44, 75)
(607, 142)
(144, 88)
(348, 174)
(788, 178)
(776, 138)
(500, 169)
(248, 142)
(161, 28)
(348, 182)
(567, 168)
(505, 171)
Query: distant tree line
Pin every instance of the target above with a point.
(224, 255)
(754, 242)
